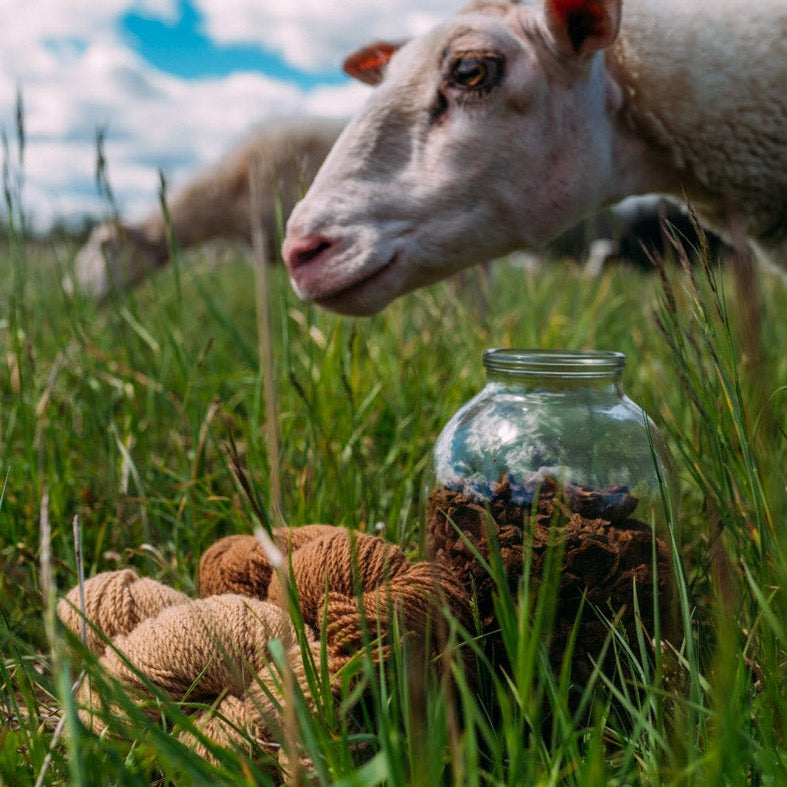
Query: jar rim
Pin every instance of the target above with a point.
(558, 363)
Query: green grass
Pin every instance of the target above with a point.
(121, 415)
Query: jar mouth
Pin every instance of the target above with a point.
(559, 363)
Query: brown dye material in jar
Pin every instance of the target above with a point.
(604, 553)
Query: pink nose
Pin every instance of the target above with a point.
(300, 251)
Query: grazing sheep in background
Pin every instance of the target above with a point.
(214, 204)
(509, 123)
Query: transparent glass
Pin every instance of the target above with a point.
(558, 415)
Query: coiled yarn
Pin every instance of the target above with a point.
(213, 652)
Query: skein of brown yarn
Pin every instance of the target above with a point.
(211, 651)
(214, 651)
(351, 583)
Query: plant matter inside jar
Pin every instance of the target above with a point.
(606, 554)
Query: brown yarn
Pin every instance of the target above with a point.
(116, 603)
(221, 639)
(210, 651)
(237, 564)
(347, 582)
(213, 651)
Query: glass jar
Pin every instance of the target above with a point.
(561, 418)
(552, 452)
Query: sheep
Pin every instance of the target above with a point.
(510, 122)
(214, 204)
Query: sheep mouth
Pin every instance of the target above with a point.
(350, 299)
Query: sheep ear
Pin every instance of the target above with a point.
(581, 27)
(368, 64)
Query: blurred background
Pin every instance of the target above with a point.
(170, 85)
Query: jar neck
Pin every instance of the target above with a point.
(555, 369)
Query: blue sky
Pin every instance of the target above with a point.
(173, 84)
(183, 49)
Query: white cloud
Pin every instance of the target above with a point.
(317, 34)
(77, 74)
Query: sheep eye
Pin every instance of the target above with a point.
(476, 72)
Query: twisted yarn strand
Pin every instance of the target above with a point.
(221, 639)
(116, 602)
(237, 564)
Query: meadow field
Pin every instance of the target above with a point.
(122, 418)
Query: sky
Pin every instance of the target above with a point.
(170, 84)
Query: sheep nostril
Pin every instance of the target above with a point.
(309, 254)
(301, 251)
